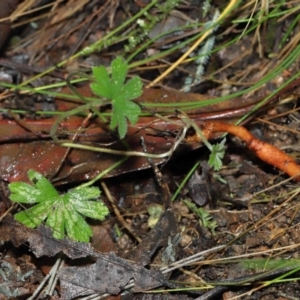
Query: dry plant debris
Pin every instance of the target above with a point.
(246, 245)
(41, 240)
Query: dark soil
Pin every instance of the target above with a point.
(250, 211)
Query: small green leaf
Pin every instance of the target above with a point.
(216, 156)
(76, 195)
(43, 185)
(103, 86)
(118, 73)
(22, 192)
(35, 215)
(122, 128)
(154, 211)
(76, 227)
(95, 210)
(91, 209)
(133, 88)
(133, 112)
(205, 218)
(56, 221)
(120, 94)
(63, 213)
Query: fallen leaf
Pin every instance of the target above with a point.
(41, 240)
(110, 274)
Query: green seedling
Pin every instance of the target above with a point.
(155, 211)
(216, 155)
(120, 94)
(63, 213)
(205, 218)
(217, 151)
(111, 90)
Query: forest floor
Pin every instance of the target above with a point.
(180, 226)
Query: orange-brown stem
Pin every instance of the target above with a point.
(264, 151)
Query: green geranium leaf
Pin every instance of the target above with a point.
(63, 213)
(118, 73)
(133, 88)
(120, 94)
(104, 89)
(205, 218)
(216, 156)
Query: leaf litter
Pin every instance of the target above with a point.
(109, 274)
(276, 232)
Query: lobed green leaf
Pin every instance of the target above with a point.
(93, 209)
(22, 192)
(76, 227)
(56, 222)
(133, 88)
(45, 187)
(120, 94)
(216, 156)
(63, 213)
(103, 86)
(82, 194)
(133, 112)
(35, 215)
(118, 74)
